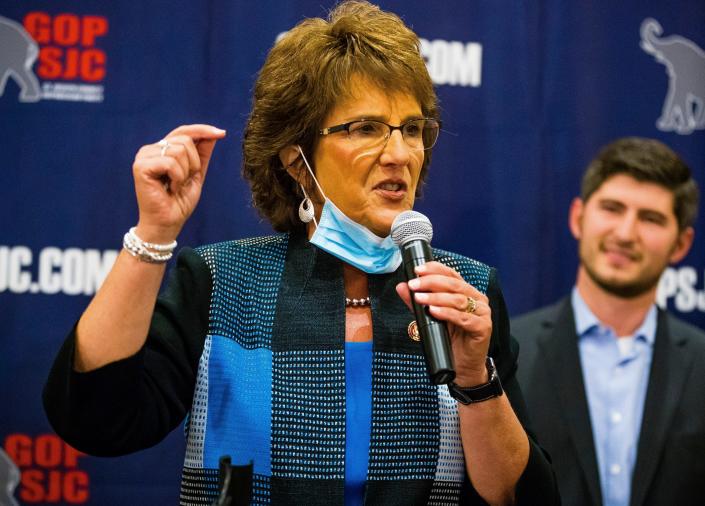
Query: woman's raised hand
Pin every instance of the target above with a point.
(169, 176)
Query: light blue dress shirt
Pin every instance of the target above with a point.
(616, 373)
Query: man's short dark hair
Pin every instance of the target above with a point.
(646, 160)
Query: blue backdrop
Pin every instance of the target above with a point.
(529, 91)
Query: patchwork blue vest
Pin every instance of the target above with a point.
(271, 383)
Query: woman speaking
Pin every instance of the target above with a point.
(294, 351)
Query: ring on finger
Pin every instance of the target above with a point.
(472, 305)
(164, 144)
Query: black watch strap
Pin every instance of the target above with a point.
(470, 395)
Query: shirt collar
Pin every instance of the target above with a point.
(586, 321)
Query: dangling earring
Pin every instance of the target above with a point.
(306, 208)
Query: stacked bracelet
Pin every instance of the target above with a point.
(147, 251)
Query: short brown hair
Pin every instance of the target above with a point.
(306, 72)
(646, 160)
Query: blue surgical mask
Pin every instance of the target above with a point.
(351, 242)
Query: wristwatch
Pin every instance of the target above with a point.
(470, 395)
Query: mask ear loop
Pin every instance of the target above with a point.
(311, 172)
(314, 180)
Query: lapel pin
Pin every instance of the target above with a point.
(413, 330)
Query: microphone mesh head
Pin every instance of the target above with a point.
(410, 226)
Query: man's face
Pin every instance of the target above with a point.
(628, 234)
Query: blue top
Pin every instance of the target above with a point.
(358, 418)
(616, 373)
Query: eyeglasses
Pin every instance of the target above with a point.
(419, 134)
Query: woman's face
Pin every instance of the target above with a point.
(371, 186)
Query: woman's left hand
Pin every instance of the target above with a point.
(449, 298)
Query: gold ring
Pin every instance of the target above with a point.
(472, 305)
(164, 144)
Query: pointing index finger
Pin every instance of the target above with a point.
(199, 131)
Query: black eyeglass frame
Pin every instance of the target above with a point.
(345, 127)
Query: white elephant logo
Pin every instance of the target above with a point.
(9, 479)
(684, 107)
(18, 51)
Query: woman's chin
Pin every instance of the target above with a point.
(382, 224)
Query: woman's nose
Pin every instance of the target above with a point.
(396, 150)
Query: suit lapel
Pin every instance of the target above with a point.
(669, 368)
(559, 345)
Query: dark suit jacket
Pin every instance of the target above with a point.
(670, 464)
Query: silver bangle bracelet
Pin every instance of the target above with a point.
(155, 247)
(147, 252)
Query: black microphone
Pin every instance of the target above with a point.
(412, 232)
(234, 483)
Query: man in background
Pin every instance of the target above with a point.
(616, 386)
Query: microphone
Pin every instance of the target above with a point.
(234, 483)
(412, 232)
